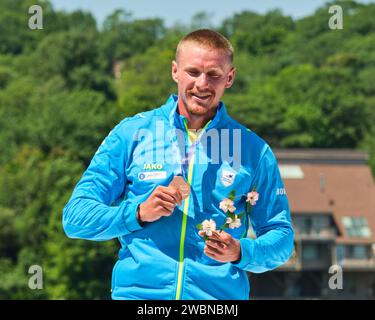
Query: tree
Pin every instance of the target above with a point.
(124, 37)
(62, 89)
(258, 34)
(146, 81)
(77, 58)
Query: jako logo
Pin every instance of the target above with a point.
(152, 166)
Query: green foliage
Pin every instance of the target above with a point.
(257, 34)
(146, 81)
(124, 37)
(232, 195)
(77, 58)
(62, 89)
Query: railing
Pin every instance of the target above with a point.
(323, 234)
(368, 264)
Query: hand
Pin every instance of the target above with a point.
(221, 246)
(161, 202)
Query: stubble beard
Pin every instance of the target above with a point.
(196, 109)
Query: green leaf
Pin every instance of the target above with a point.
(199, 226)
(248, 206)
(232, 195)
(225, 225)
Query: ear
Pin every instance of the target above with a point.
(174, 71)
(231, 76)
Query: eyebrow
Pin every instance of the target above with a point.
(192, 68)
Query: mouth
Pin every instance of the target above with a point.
(201, 96)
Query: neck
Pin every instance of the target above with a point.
(194, 121)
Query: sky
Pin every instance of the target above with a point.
(172, 11)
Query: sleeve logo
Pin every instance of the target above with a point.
(280, 192)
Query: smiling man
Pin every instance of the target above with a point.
(202, 73)
(161, 173)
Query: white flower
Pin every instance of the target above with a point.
(233, 223)
(227, 205)
(252, 197)
(208, 226)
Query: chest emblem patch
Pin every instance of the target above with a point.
(227, 177)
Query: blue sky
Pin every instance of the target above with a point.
(182, 11)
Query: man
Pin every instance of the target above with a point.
(157, 176)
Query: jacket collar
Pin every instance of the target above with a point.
(177, 120)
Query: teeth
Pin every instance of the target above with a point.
(201, 97)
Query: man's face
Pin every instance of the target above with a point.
(202, 75)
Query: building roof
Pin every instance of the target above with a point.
(336, 182)
(323, 156)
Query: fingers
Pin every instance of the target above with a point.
(166, 197)
(222, 237)
(167, 201)
(214, 248)
(172, 192)
(208, 250)
(222, 247)
(218, 246)
(162, 202)
(166, 208)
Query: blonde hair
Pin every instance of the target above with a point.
(208, 39)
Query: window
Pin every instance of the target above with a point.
(340, 253)
(302, 224)
(320, 223)
(310, 252)
(360, 252)
(313, 225)
(356, 227)
(357, 252)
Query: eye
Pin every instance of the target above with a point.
(214, 75)
(193, 73)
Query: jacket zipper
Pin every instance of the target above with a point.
(183, 231)
(184, 218)
(183, 226)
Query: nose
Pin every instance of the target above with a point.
(202, 82)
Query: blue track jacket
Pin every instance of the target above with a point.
(165, 259)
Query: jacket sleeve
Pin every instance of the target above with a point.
(271, 221)
(89, 214)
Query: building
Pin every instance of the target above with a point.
(332, 201)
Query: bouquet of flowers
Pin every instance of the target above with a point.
(233, 220)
